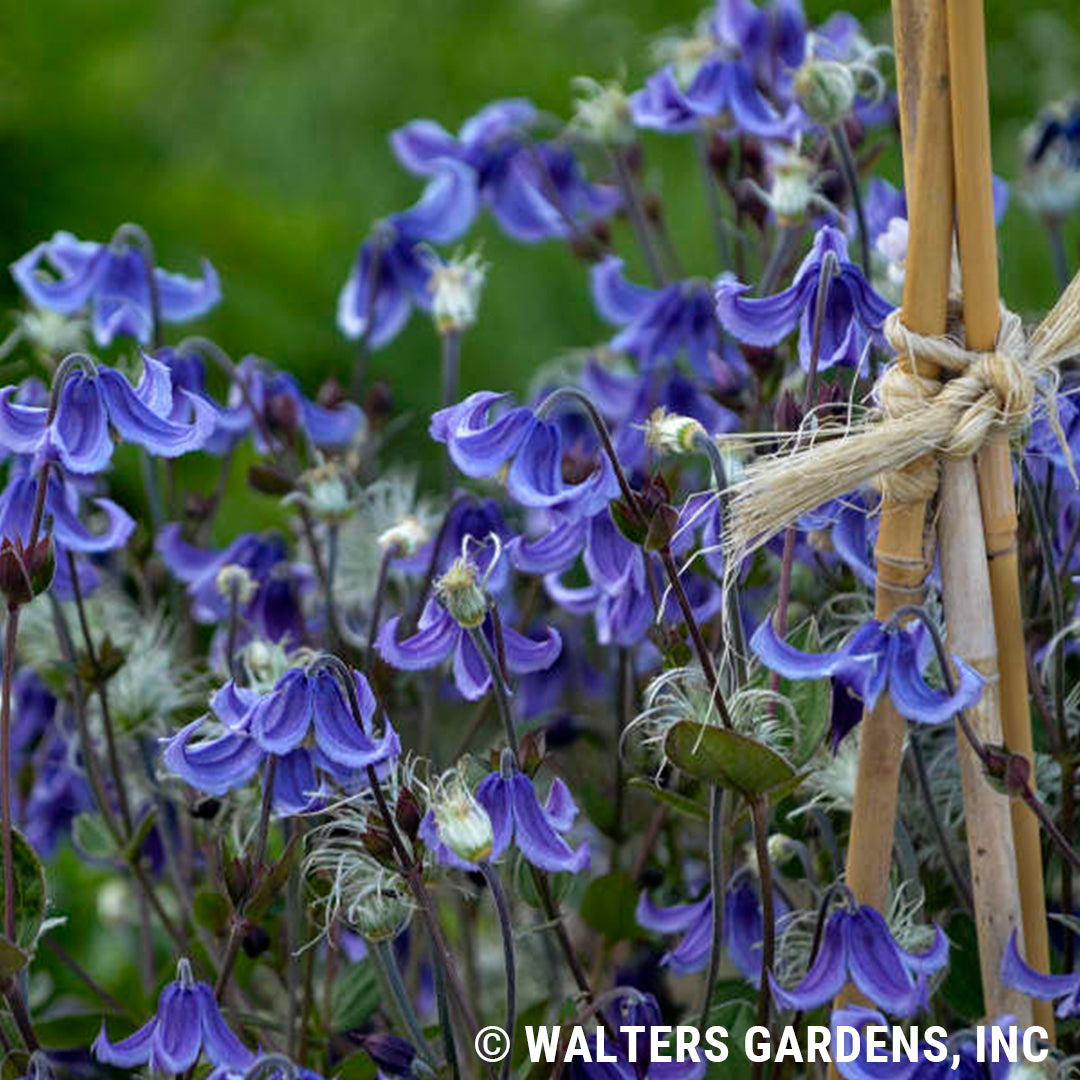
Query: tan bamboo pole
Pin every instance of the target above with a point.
(978, 258)
(900, 551)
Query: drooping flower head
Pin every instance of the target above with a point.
(187, 1022)
(1064, 989)
(853, 314)
(113, 279)
(393, 268)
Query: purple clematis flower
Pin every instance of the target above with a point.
(510, 800)
(92, 405)
(274, 396)
(658, 323)
(857, 947)
(273, 610)
(633, 1052)
(742, 928)
(535, 190)
(1064, 989)
(439, 636)
(930, 1064)
(69, 534)
(393, 268)
(674, 101)
(481, 447)
(188, 1021)
(113, 279)
(853, 315)
(878, 656)
(304, 722)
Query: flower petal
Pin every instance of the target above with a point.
(129, 1052)
(221, 1046)
(917, 701)
(534, 835)
(281, 720)
(427, 648)
(178, 1035)
(875, 963)
(616, 299)
(215, 766)
(1015, 972)
(826, 976)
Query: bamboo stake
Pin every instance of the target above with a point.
(900, 553)
(978, 257)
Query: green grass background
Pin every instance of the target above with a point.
(254, 132)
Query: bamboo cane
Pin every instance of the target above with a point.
(978, 257)
(900, 550)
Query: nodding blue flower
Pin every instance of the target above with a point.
(853, 315)
(877, 657)
(632, 1018)
(511, 802)
(113, 279)
(856, 947)
(1051, 146)
(1064, 989)
(536, 190)
(95, 403)
(393, 1055)
(69, 534)
(743, 926)
(534, 447)
(272, 397)
(393, 268)
(271, 611)
(187, 1022)
(659, 323)
(439, 636)
(930, 1063)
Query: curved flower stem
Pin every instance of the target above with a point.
(101, 689)
(625, 179)
(450, 370)
(11, 631)
(554, 917)
(786, 238)
(718, 812)
(851, 179)
(96, 782)
(995, 761)
(491, 876)
(787, 559)
(445, 1026)
(130, 233)
(383, 955)
(1056, 240)
(498, 684)
(389, 553)
(963, 890)
(231, 659)
(634, 506)
(759, 816)
(712, 198)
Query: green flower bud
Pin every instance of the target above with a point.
(461, 594)
(826, 90)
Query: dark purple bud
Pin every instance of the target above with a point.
(392, 1054)
(653, 207)
(255, 941)
(378, 844)
(24, 573)
(788, 414)
(561, 732)
(269, 480)
(407, 814)
(283, 415)
(379, 403)
(331, 394)
(206, 809)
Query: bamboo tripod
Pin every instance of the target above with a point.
(941, 67)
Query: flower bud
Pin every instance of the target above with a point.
(268, 480)
(671, 433)
(379, 915)
(460, 592)
(787, 414)
(455, 287)
(393, 1055)
(24, 573)
(464, 825)
(407, 814)
(826, 90)
(1051, 187)
(407, 536)
(793, 190)
(255, 941)
(325, 492)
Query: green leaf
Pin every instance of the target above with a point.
(736, 1017)
(92, 837)
(679, 803)
(527, 889)
(627, 522)
(598, 808)
(356, 1066)
(608, 906)
(725, 757)
(30, 903)
(530, 1017)
(211, 910)
(812, 701)
(355, 997)
(962, 988)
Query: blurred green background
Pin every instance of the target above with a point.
(254, 132)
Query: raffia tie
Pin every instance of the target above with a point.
(982, 390)
(919, 419)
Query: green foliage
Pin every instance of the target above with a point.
(608, 906)
(29, 905)
(727, 758)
